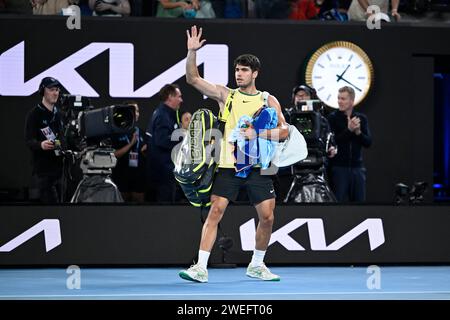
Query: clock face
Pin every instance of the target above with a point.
(336, 65)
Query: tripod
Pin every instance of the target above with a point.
(96, 185)
(309, 183)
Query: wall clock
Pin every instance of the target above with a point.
(338, 64)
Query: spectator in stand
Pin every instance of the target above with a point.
(358, 9)
(110, 8)
(270, 9)
(50, 7)
(305, 9)
(201, 9)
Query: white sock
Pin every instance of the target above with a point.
(257, 258)
(203, 257)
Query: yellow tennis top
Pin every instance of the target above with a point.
(243, 104)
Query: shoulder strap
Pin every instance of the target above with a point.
(265, 97)
(178, 118)
(228, 106)
(223, 117)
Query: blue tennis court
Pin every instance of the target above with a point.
(297, 283)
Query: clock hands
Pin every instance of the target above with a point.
(351, 84)
(342, 74)
(341, 77)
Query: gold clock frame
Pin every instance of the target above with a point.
(340, 44)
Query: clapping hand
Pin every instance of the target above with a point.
(354, 125)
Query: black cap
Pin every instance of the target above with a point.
(302, 87)
(49, 82)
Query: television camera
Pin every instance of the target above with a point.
(308, 118)
(87, 133)
(309, 183)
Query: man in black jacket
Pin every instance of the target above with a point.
(352, 133)
(42, 133)
(159, 131)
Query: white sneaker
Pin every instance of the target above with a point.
(261, 272)
(195, 273)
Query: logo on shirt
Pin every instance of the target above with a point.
(245, 101)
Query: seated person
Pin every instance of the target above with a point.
(305, 9)
(110, 8)
(52, 7)
(358, 9)
(200, 9)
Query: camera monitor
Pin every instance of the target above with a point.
(308, 123)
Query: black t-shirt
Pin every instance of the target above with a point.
(40, 124)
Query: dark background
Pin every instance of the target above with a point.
(399, 106)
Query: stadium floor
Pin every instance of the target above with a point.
(297, 283)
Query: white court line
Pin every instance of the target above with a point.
(223, 294)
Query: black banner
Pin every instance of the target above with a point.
(170, 235)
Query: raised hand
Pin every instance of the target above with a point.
(193, 38)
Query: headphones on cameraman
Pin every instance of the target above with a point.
(41, 89)
(309, 90)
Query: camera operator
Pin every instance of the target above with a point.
(310, 183)
(304, 93)
(43, 130)
(300, 93)
(129, 172)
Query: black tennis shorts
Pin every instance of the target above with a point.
(259, 187)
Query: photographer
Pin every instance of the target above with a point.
(129, 172)
(43, 129)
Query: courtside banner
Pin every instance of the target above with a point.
(169, 235)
